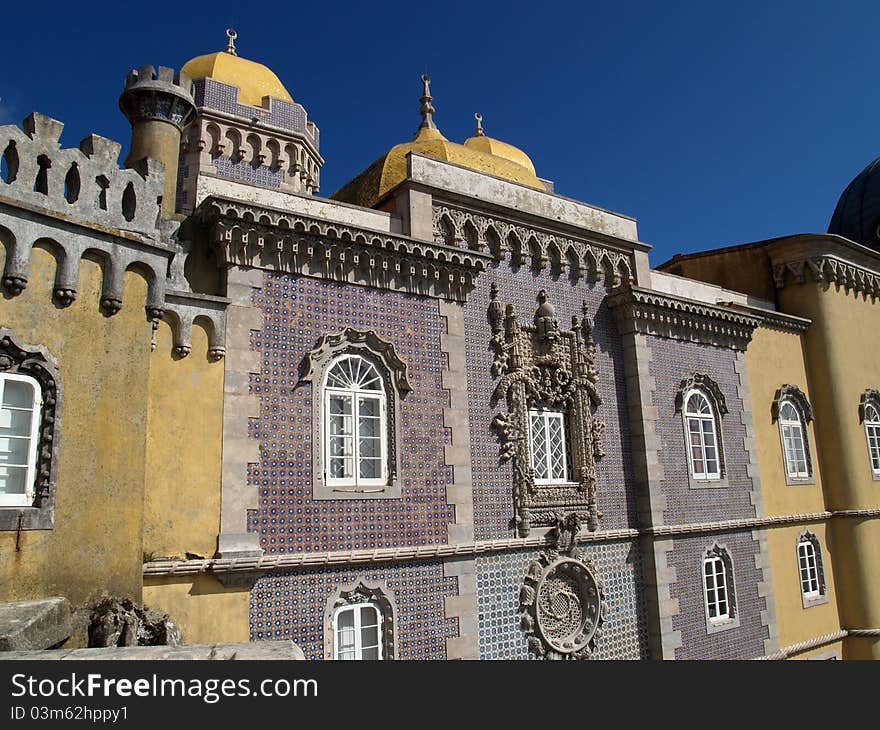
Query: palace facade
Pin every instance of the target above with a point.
(445, 413)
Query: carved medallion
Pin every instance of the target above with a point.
(542, 366)
(562, 599)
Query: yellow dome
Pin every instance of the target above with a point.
(386, 173)
(500, 149)
(253, 79)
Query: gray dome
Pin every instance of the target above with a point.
(857, 215)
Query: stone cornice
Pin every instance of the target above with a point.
(470, 229)
(771, 318)
(244, 234)
(665, 315)
(827, 269)
(290, 561)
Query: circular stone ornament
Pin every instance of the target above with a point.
(563, 605)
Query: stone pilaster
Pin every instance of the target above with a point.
(762, 557)
(460, 492)
(239, 407)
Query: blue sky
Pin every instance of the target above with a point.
(711, 124)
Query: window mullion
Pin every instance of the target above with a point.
(355, 436)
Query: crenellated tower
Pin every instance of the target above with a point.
(160, 106)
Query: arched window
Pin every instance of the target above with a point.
(872, 432)
(794, 442)
(359, 622)
(702, 438)
(358, 632)
(548, 446)
(715, 580)
(20, 417)
(793, 412)
(811, 570)
(719, 592)
(355, 423)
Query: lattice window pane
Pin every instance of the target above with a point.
(556, 447)
(539, 446)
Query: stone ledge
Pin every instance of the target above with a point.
(277, 650)
(38, 624)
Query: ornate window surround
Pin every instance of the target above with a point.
(375, 593)
(381, 354)
(541, 366)
(792, 394)
(37, 363)
(870, 397)
(707, 387)
(812, 600)
(719, 550)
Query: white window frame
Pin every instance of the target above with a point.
(358, 645)
(356, 394)
(546, 416)
(701, 418)
(719, 617)
(872, 434)
(26, 499)
(797, 426)
(808, 570)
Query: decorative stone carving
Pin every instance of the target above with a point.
(871, 396)
(665, 315)
(266, 238)
(454, 227)
(542, 366)
(364, 591)
(115, 622)
(795, 394)
(702, 382)
(562, 599)
(828, 269)
(38, 364)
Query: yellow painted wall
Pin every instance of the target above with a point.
(842, 362)
(184, 441)
(775, 357)
(103, 365)
(794, 622)
(205, 610)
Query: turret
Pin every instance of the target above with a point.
(159, 107)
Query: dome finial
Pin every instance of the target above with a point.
(427, 109)
(479, 118)
(230, 46)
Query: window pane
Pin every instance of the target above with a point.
(14, 451)
(557, 447)
(370, 636)
(370, 654)
(345, 619)
(539, 446)
(18, 394)
(369, 616)
(368, 407)
(15, 423)
(341, 468)
(340, 404)
(369, 427)
(12, 479)
(371, 468)
(370, 448)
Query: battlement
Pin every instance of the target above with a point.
(146, 77)
(79, 184)
(165, 95)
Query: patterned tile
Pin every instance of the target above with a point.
(500, 577)
(291, 605)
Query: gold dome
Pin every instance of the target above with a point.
(496, 147)
(497, 158)
(253, 79)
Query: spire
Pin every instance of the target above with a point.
(427, 109)
(230, 46)
(479, 118)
